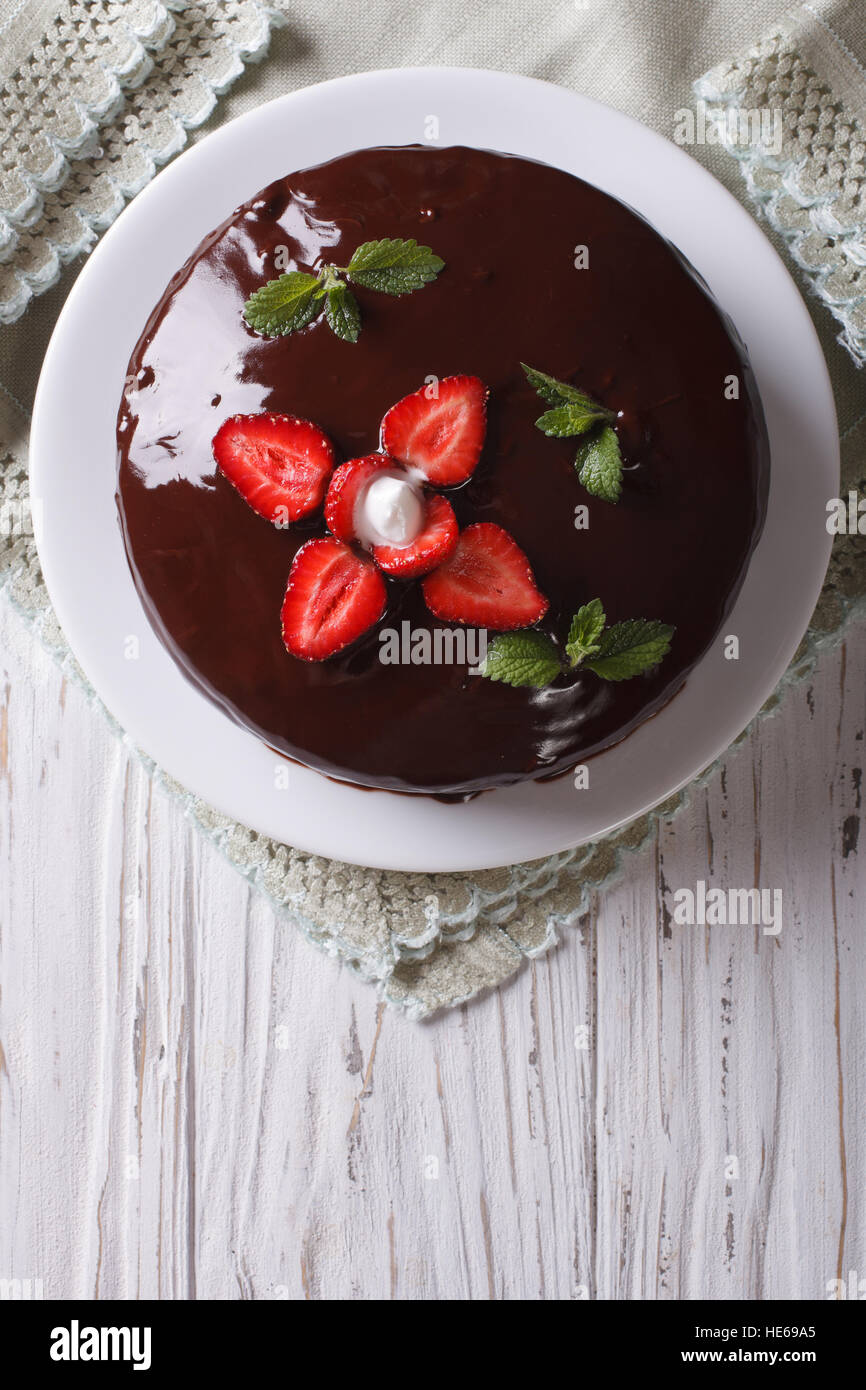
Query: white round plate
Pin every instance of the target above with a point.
(73, 466)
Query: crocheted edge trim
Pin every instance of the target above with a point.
(94, 114)
(37, 280)
(850, 245)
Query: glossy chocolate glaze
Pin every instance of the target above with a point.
(637, 330)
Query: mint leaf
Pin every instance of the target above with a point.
(527, 657)
(587, 626)
(566, 420)
(599, 465)
(559, 393)
(629, 648)
(393, 266)
(284, 305)
(343, 313)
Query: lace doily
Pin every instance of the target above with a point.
(805, 170)
(105, 99)
(427, 941)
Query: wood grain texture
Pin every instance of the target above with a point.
(194, 1103)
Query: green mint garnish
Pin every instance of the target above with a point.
(566, 420)
(344, 316)
(283, 305)
(530, 657)
(290, 302)
(562, 392)
(627, 649)
(587, 626)
(393, 266)
(599, 462)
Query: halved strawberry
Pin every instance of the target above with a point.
(442, 435)
(487, 582)
(333, 596)
(279, 464)
(344, 490)
(430, 548)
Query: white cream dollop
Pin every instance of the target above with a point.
(390, 511)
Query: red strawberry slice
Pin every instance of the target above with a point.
(345, 488)
(332, 597)
(442, 436)
(429, 549)
(487, 582)
(279, 464)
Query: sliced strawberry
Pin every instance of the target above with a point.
(487, 582)
(429, 549)
(332, 597)
(280, 465)
(345, 488)
(442, 435)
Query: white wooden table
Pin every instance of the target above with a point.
(196, 1103)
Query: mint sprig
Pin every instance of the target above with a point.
(530, 657)
(392, 266)
(573, 412)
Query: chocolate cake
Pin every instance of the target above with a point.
(539, 268)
